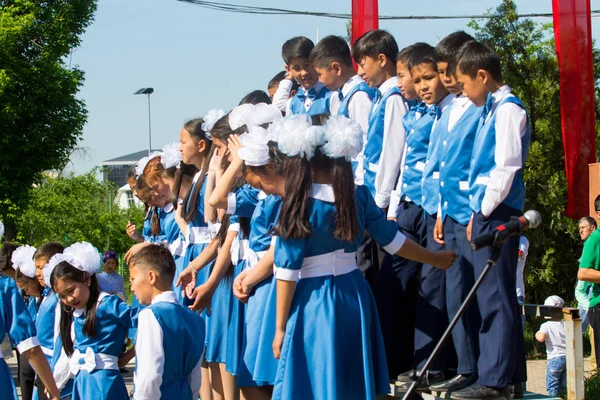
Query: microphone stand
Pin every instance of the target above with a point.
(411, 394)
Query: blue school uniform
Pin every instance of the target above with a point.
(147, 228)
(502, 355)
(258, 365)
(17, 323)
(169, 350)
(241, 203)
(32, 306)
(173, 237)
(45, 322)
(333, 346)
(319, 96)
(94, 363)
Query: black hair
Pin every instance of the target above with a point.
(256, 97)
(47, 250)
(374, 43)
(293, 218)
(278, 78)
(597, 203)
(19, 276)
(331, 49)
(474, 56)
(6, 252)
(447, 49)
(404, 56)
(194, 128)
(222, 130)
(65, 271)
(156, 258)
(296, 47)
(342, 178)
(421, 54)
(590, 221)
(277, 161)
(185, 171)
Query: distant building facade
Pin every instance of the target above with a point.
(115, 170)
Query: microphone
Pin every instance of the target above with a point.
(531, 219)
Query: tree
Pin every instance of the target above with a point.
(530, 67)
(77, 208)
(41, 119)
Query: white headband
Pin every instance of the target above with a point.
(343, 136)
(22, 260)
(210, 119)
(141, 164)
(81, 255)
(250, 114)
(170, 156)
(255, 149)
(297, 137)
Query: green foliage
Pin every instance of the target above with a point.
(41, 119)
(530, 67)
(77, 208)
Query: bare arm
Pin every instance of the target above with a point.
(218, 197)
(588, 275)
(540, 336)
(285, 294)
(38, 361)
(262, 271)
(439, 259)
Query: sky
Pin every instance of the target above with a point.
(197, 59)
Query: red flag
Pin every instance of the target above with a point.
(573, 34)
(365, 17)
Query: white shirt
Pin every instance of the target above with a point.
(460, 104)
(394, 139)
(150, 355)
(524, 247)
(511, 126)
(555, 338)
(281, 98)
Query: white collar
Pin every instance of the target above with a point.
(262, 195)
(317, 87)
(168, 208)
(446, 102)
(388, 85)
(196, 177)
(168, 296)
(322, 192)
(352, 82)
(80, 312)
(500, 94)
(461, 101)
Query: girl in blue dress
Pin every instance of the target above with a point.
(93, 326)
(17, 323)
(327, 333)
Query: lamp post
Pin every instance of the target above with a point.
(148, 91)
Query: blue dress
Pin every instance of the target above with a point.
(333, 346)
(97, 357)
(17, 323)
(256, 364)
(44, 323)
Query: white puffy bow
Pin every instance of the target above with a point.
(22, 259)
(343, 137)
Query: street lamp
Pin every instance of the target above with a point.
(148, 91)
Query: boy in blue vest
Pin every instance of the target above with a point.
(376, 53)
(170, 339)
(456, 131)
(312, 97)
(497, 193)
(423, 140)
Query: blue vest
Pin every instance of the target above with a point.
(455, 164)
(183, 344)
(320, 102)
(417, 143)
(483, 162)
(430, 186)
(375, 139)
(344, 104)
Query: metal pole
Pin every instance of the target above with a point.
(149, 127)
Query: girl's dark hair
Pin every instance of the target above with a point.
(184, 170)
(221, 130)
(346, 220)
(155, 223)
(19, 276)
(293, 219)
(6, 254)
(66, 271)
(194, 128)
(277, 161)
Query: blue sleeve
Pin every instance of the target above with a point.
(383, 231)
(289, 256)
(122, 286)
(18, 322)
(243, 201)
(119, 311)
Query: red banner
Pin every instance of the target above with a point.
(573, 34)
(365, 17)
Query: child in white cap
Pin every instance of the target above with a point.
(553, 334)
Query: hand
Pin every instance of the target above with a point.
(133, 233)
(187, 275)
(189, 288)
(203, 296)
(393, 219)
(469, 229)
(238, 288)
(134, 249)
(278, 343)
(125, 357)
(234, 145)
(438, 232)
(444, 259)
(289, 76)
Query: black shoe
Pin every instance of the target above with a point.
(457, 383)
(481, 392)
(517, 390)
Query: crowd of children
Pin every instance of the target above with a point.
(312, 248)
